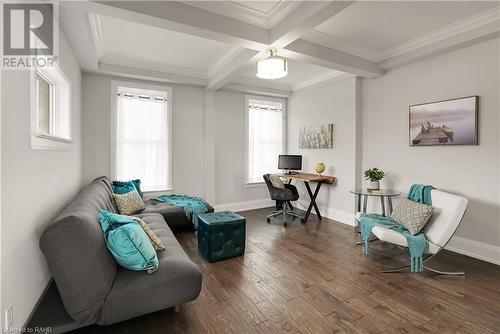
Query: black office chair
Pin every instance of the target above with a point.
(283, 198)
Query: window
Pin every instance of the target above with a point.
(143, 137)
(265, 133)
(50, 104)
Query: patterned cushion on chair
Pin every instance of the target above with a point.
(276, 181)
(412, 215)
(129, 203)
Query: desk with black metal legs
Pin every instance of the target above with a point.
(307, 178)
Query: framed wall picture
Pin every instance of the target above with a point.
(316, 136)
(448, 122)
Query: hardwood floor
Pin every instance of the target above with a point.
(313, 279)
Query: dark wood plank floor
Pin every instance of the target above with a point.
(313, 279)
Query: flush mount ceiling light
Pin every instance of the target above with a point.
(273, 67)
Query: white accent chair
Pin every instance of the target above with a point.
(448, 213)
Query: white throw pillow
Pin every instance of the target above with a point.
(412, 215)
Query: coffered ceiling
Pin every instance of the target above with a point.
(379, 26)
(216, 43)
(264, 14)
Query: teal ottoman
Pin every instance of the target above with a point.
(221, 235)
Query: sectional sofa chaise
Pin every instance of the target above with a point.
(92, 287)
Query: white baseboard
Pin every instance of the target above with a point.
(334, 214)
(246, 205)
(476, 249)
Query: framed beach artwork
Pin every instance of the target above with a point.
(316, 136)
(449, 122)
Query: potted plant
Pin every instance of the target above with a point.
(374, 175)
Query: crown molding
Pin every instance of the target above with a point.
(461, 27)
(150, 75)
(319, 79)
(257, 90)
(240, 12)
(261, 83)
(96, 32)
(113, 59)
(484, 23)
(282, 10)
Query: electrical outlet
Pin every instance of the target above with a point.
(9, 317)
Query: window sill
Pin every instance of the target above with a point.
(254, 184)
(50, 143)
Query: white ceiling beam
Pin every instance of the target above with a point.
(318, 80)
(82, 41)
(228, 71)
(109, 58)
(143, 74)
(303, 19)
(480, 27)
(191, 20)
(187, 19)
(257, 90)
(312, 53)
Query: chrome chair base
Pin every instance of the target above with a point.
(284, 212)
(439, 272)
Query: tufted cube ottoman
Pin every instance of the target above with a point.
(221, 235)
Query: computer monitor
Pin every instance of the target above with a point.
(290, 162)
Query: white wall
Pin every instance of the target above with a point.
(187, 138)
(230, 127)
(203, 123)
(333, 103)
(472, 171)
(35, 186)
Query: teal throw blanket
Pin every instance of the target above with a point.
(421, 194)
(417, 244)
(193, 206)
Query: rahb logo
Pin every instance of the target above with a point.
(29, 34)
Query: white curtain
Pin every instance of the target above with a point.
(265, 139)
(143, 141)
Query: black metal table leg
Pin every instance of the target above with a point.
(365, 203)
(358, 197)
(389, 201)
(383, 205)
(312, 203)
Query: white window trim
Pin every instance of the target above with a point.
(283, 101)
(40, 141)
(140, 86)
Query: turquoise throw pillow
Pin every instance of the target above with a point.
(109, 221)
(128, 242)
(123, 187)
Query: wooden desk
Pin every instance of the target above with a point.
(307, 178)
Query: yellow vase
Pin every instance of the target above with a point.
(320, 168)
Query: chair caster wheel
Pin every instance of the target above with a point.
(285, 224)
(268, 220)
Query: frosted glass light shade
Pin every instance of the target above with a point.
(273, 67)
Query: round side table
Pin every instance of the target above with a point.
(382, 193)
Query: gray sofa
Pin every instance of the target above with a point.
(93, 289)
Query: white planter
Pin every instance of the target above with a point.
(374, 185)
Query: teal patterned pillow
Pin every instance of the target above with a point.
(123, 187)
(412, 215)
